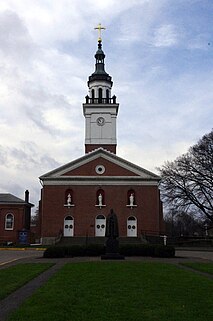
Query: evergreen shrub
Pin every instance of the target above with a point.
(74, 250)
(137, 249)
(97, 250)
(54, 251)
(153, 250)
(164, 251)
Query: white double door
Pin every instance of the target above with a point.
(100, 225)
(68, 226)
(132, 226)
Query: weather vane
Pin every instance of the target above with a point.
(99, 28)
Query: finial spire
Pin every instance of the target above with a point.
(99, 28)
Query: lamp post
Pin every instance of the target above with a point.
(206, 230)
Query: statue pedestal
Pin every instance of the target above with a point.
(112, 256)
(112, 247)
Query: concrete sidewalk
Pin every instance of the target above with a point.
(15, 299)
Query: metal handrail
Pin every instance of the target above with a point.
(100, 100)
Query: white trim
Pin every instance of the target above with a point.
(101, 141)
(100, 167)
(131, 205)
(90, 109)
(100, 152)
(100, 206)
(70, 180)
(69, 205)
(5, 222)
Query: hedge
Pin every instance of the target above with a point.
(97, 250)
(153, 250)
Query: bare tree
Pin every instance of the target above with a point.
(187, 182)
(183, 224)
(35, 217)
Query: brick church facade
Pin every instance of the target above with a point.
(77, 197)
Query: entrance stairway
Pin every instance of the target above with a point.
(98, 240)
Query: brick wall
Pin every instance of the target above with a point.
(84, 212)
(19, 222)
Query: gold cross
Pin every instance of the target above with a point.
(99, 28)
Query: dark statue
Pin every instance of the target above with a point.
(112, 243)
(112, 225)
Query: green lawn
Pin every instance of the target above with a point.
(14, 277)
(203, 267)
(121, 291)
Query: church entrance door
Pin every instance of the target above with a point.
(68, 226)
(131, 226)
(100, 225)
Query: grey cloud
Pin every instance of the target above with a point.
(14, 37)
(49, 162)
(27, 157)
(35, 115)
(165, 36)
(37, 103)
(13, 188)
(3, 156)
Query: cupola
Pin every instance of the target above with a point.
(100, 109)
(100, 74)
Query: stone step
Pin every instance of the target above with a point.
(98, 240)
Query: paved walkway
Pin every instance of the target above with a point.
(8, 255)
(198, 254)
(14, 300)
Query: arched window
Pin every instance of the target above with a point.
(9, 221)
(100, 198)
(107, 95)
(131, 218)
(68, 218)
(100, 217)
(100, 95)
(93, 95)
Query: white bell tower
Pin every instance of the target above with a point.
(100, 110)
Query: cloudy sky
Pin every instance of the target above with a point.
(159, 53)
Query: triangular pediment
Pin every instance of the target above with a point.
(100, 164)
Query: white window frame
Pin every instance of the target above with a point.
(6, 221)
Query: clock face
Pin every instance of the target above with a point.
(100, 121)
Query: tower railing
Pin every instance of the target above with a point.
(100, 100)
